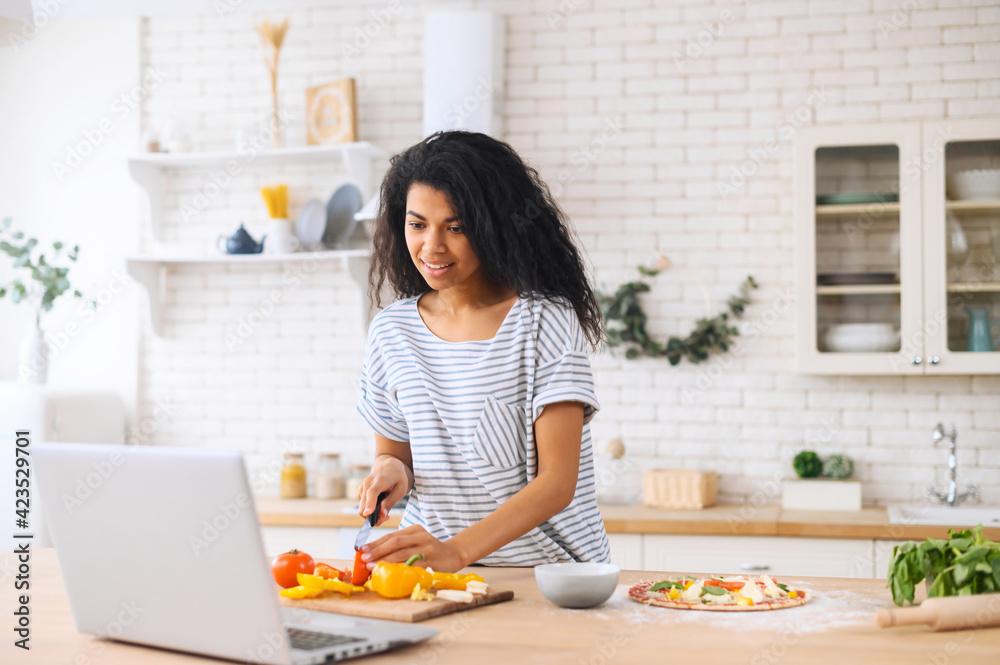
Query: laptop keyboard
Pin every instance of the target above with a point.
(310, 639)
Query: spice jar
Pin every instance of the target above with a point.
(355, 478)
(293, 477)
(329, 477)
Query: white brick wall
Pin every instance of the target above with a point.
(695, 101)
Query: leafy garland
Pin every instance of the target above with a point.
(626, 324)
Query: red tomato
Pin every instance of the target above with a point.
(728, 586)
(286, 566)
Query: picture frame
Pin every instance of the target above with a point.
(331, 113)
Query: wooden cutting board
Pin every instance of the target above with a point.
(370, 604)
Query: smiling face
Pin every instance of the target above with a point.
(436, 241)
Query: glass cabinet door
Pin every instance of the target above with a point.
(858, 245)
(962, 239)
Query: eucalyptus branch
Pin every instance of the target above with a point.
(625, 324)
(38, 280)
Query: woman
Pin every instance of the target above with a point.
(492, 328)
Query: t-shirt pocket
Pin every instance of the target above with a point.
(501, 434)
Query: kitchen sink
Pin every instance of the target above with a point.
(962, 516)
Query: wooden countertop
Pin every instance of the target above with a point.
(836, 627)
(729, 520)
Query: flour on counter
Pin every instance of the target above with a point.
(827, 610)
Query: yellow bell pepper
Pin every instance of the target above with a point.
(300, 592)
(741, 600)
(316, 582)
(674, 594)
(397, 580)
(793, 594)
(455, 581)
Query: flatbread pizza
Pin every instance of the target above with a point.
(738, 593)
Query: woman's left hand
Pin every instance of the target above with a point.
(399, 546)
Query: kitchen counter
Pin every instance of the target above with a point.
(729, 520)
(836, 627)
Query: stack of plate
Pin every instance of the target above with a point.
(847, 198)
(329, 226)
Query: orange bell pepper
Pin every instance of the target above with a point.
(328, 572)
(359, 574)
(398, 580)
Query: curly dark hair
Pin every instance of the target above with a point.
(511, 220)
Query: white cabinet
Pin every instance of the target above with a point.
(626, 550)
(892, 259)
(757, 555)
(774, 555)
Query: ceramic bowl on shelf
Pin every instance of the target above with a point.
(577, 584)
(861, 337)
(976, 184)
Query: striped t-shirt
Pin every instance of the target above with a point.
(463, 407)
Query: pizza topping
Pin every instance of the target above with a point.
(751, 591)
(732, 593)
(693, 592)
(771, 589)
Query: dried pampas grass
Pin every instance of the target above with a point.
(271, 39)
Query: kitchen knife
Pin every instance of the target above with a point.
(366, 528)
(946, 613)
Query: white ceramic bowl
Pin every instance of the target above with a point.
(577, 584)
(861, 337)
(976, 184)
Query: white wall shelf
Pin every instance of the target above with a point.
(151, 272)
(857, 289)
(875, 209)
(973, 206)
(148, 169)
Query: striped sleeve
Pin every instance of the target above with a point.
(563, 369)
(378, 404)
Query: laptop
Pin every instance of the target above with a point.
(161, 547)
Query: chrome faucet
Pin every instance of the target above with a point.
(951, 497)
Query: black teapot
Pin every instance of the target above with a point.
(240, 243)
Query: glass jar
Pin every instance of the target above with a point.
(355, 478)
(293, 477)
(329, 477)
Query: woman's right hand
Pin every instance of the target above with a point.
(389, 474)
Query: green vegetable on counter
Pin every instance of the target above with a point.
(964, 565)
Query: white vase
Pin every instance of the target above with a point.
(33, 368)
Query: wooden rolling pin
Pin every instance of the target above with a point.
(950, 613)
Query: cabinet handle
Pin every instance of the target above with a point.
(934, 360)
(751, 566)
(917, 360)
